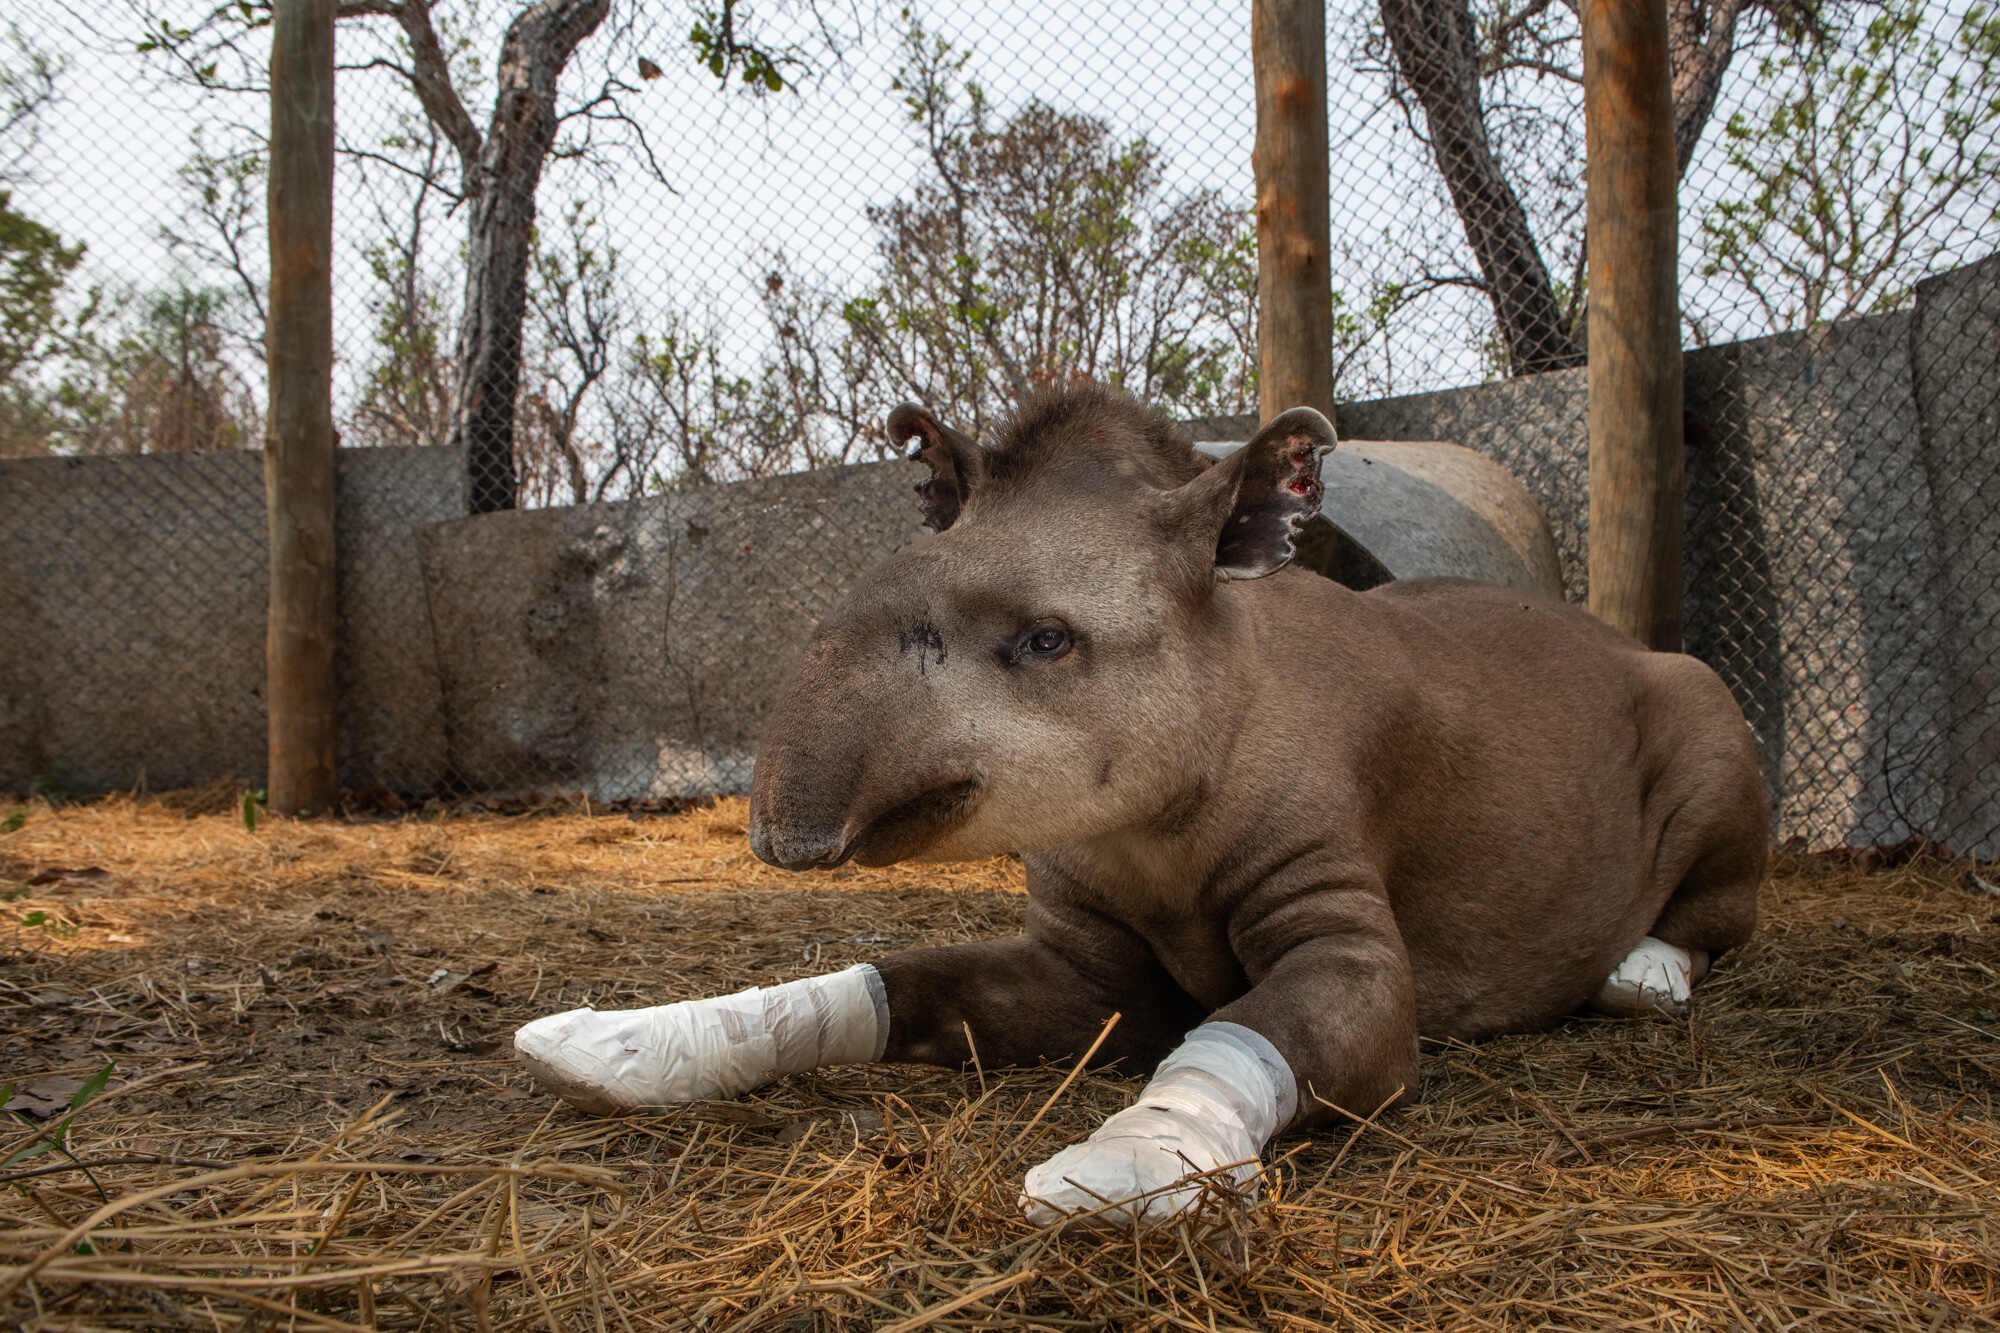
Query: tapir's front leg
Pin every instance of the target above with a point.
(1329, 1023)
(1042, 996)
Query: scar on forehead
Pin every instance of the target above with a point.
(927, 639)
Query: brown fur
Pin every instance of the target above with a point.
(1338, 818)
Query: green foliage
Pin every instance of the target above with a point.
(36, 918)
(162, 35)
(28, 76)
(1033, 247)
(1043, 245)
(678, 369)
(153, 376)
(55, 1138)
(253, 802)
(407, 389)
(723, 49)
(34, 266)
(14, 821)
(220, 229)
(1876, 154)
(201, 50)
(183, 395)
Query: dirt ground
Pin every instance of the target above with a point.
(311, 1117)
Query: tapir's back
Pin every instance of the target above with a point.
(1531, 761)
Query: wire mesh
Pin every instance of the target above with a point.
(623, 293)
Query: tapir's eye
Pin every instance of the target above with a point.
(1046, 642)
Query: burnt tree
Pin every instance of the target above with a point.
(1436, 45)
(1701, 38)
(1443, 53)
(500, 171)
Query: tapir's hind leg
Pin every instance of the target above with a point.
(1704, 918)
(1713, 846)
(1715, 907)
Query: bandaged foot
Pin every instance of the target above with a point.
(1199, 1124)
(698, 1050)
(1656, 977)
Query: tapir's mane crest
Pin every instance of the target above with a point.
(1093, 433)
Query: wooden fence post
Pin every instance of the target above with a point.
(1294, 264)
(299, 442)
(1637, 472)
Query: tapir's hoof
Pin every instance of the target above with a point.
(549, 1049)
(1655, 978)
(1121, 1182)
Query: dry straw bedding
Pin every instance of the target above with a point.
(314, 1123)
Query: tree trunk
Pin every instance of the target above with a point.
(500, 236)
(1636, 439)
(1294, 267)
(1437, 51)
(1701, 37)
(298, 449)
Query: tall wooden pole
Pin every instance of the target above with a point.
(298, 448)
(1294, 266)
(1637, 473)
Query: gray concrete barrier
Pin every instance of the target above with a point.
(1403, 509)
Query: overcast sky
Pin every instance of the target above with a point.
(742, 177)
(745, 177)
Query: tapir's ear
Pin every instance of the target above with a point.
(956, 462)
(1252, 503)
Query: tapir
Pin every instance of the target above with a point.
(1277, 827)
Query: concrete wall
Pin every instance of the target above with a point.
(1824, 515)
(1810, 551)
(1843, 574)
(1422, 508)
(1812, 559)
(1956, 340)
(392, 717)
(132, 625)
(632, 650)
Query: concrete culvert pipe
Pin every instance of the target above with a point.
(1401, 509)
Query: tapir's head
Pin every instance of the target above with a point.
(1052, 664)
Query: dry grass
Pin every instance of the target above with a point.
(314, 1121)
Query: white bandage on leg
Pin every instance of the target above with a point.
(702, 1049)
(1212, 1104)
(1656, 977)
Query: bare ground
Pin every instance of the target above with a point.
(313, 1121)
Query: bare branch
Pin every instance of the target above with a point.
(425, 175)
(1532, 65)
(429, 77)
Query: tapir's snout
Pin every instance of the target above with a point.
(818, 816)
(796, 849)
(861, 760)
(798, 807)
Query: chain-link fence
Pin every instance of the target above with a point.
(755, 226)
